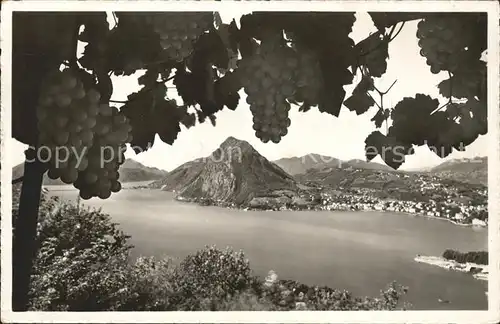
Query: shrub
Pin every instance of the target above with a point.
(210, 274)
(149, 284)
(81, 262)
(291, 295)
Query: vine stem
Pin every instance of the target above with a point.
(158, 82)
(450, 101)
(386, 91)
(24, 234)
(397, 33)
(379, 107)
(20, 179)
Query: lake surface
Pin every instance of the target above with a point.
(358, 251)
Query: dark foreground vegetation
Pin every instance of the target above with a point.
(478, 257)
(83, 263)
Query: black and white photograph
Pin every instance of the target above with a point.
(250, 161)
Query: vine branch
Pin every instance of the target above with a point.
(397, 33)
(450, 100)
(386, 91)
(17, 180)
(148, 89)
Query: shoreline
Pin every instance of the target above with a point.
(305, 207)
(313, 207)
(478, 271)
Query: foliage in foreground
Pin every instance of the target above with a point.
(83, 264)
(478, 257)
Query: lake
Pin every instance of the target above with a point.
(358, 251)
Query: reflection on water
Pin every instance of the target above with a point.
(358, 251)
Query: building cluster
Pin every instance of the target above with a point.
(444, 201)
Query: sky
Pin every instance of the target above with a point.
(312, 132)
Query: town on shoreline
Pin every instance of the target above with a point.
(458, 214)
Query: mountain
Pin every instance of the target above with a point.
(466, 170)
(300, 165)
(361, 164)
(130, 171)
(234, 173)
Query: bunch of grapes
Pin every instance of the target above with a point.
(179, 31)
(444, 41)
(375, 58)
(82, 139)
(100, 178)
(268, 80)
(67, 115)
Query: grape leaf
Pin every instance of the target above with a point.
(332, 101)
(233, 36)
(380, 117)
(186, 87)
(305, 107)
(212, 47)
(391, 151)
(96, 27)
(334, 75)
(365, 85)
(372, 53)
(167, 120)
(149, 114)
(226, 91)
(359, 102)
(467, 82)
(212, 119)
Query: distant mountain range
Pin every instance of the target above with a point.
(236, 173)
(466, 170)
(130, 171)
(300, 165)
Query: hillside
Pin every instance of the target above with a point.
(234, 173)
(465, 170)
(300, 165)
(130, 171)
